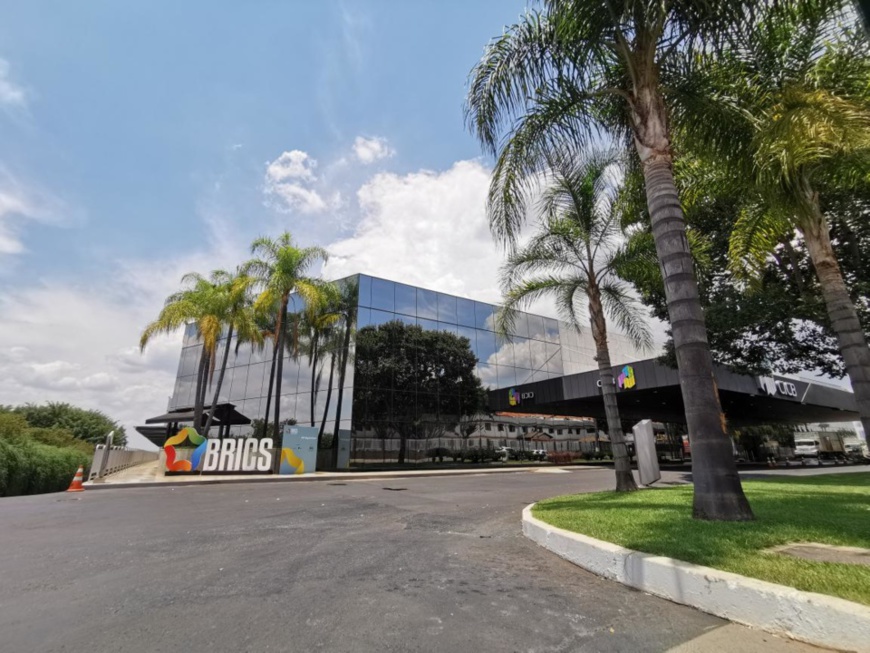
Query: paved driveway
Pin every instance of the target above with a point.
(424, 564)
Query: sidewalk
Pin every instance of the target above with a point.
(151, 475)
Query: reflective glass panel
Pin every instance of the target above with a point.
(363, 318)
(486, 347)
(465, 312)
(483, 316)
(552, 329)
(406, 299)
(522, 355)
(507, 376)
(539, 354)
(536, 327)
(239, 389)
(521, 325)
(427, 304)
(554, 359)
(381, 317)
(449, 328)
(365, 290)
(446, 308)
(383, 294)
(471, 334)
(428, 325)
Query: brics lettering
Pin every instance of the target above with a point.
(247, 455)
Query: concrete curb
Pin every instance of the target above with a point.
(350, 476)
(806, 616)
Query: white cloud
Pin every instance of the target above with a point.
(288, 184)
(20, 202)
(294, 164)
(11, 94)
(424, 228)
(78, 343)
(369, 150)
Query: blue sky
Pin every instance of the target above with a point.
(141, 140)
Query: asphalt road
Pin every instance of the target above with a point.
(424, 564)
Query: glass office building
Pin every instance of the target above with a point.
(408, 377)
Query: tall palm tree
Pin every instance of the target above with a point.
(234, 290)
(347, 308)
(317, 322)
(201, 304)
(574, 257)
(790, 109)
(581, 68)
(281, 268)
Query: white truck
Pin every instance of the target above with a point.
(821, 446)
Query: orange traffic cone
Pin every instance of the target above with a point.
(76, 485)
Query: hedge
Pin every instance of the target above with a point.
(35, 460)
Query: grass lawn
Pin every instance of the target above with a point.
(831, 509)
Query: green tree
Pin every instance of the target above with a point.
(580, 68)
(281, 268)
(202, 305)
(574, 257)
(406, 378)
(789, 113)
(239, 320)
(89, 425)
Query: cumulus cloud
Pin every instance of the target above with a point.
(61, 341)
(424, 228)
(369, 150)
(11, 94)
(289, 181)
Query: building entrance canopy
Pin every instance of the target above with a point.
(649, 390)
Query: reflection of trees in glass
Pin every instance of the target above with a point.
(409, 381)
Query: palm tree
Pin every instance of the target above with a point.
(574, 257)
(281, 269)
(239, 320)
(347, 306)
(791, 120)
(201, 304)
(316, 324)
(583, 68)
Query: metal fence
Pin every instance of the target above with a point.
(110, 460)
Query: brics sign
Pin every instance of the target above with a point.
(248, 455)
(230, 455)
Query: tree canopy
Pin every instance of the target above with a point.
(89, 425)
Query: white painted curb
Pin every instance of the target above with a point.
(806, 616)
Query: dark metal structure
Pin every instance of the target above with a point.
(649, 390)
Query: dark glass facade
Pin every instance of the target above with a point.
(416, 364)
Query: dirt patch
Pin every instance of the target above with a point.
(849, 555)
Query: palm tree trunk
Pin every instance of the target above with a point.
(279, 352)
(282, 335)
(314, 356)
(328, 399)
(220, 382)
(841, 310)
(718, 493)
(200, 382)
(271, 386)
(342, 375)
(621, 461)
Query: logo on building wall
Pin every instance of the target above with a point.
(515, 397)
(773, 387)
(626, 379)
(187, 433)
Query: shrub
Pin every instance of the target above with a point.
(88, 425)
(28, 467)
(36, 460)
(438, 452)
